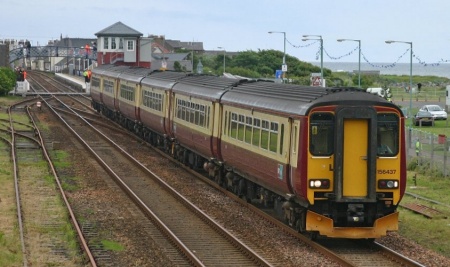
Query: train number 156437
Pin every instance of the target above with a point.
(386, 171)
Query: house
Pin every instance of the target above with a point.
(123, 45)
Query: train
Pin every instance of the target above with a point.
(328, 161)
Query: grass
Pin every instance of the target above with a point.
(440, 127)
(60, 159)
(430, 233)
(10, 251)
(10, 248)
(112, 245)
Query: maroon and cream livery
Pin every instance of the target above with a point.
(330, 161)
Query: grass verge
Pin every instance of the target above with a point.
(431, 233)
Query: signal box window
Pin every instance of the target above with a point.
(321, 134)
(130, 45)
(387, 135)
(106, 42)
(120, 43)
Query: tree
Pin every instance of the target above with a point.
(366, 80)
(177, 66)
(7, 80)
(262, 63)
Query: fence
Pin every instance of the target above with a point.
(434, 149)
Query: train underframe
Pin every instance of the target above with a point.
(294, 212)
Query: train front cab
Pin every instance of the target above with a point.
(356, 171)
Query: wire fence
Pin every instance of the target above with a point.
(427, 149)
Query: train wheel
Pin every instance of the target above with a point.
(192, 160)
(300, 223)
(298, 226)
(185, 157)
(217, 179)
(311, 235)
(241, 188)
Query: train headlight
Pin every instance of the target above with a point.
(319, 183)
(388, 184)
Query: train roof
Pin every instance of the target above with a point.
(110, 69)
(258, 94)
(163, 79)
(296, 99)
(205, 86)
(134, 74)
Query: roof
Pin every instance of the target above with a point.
(119, 29)
(296, 99)
(171, 56)
(204, 86)
(74, 42)
(177, 44)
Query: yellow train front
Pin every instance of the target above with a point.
(355, 167)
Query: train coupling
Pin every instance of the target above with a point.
(355, 213)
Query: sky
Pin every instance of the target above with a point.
(244, 25)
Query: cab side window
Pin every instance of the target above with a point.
(387, 134)
(321, 134)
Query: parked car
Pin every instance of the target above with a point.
(423, 116)
(437, 112)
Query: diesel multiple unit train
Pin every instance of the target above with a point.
(329, 161)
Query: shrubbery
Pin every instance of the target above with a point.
(7, 80)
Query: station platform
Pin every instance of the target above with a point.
(74, 81)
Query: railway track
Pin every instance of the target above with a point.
(360, 254)
(202, 241)
(364, 253)
(40, 217)
(346, 252)
(343, 262)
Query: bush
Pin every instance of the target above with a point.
(7, 80)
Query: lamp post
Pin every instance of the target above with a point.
(359, 57)
(410, 72)
(284, 66)
(220, 47)
(321, 52)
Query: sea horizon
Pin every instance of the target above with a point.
(440, 70)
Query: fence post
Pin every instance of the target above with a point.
(446, 147)
(432, 150)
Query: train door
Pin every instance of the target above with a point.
(216, 116)
(116, 93)
(354, 155)
(294, 145)
(169, 111)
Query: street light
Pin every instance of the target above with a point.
(359, 57)
(321, 52)
(223, 57)
(410, 73)
(284, 66)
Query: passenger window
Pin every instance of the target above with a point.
(248, 129)
(241, 128)
(256, 132)
(234, 125)
(265, 135)
(273, 137)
